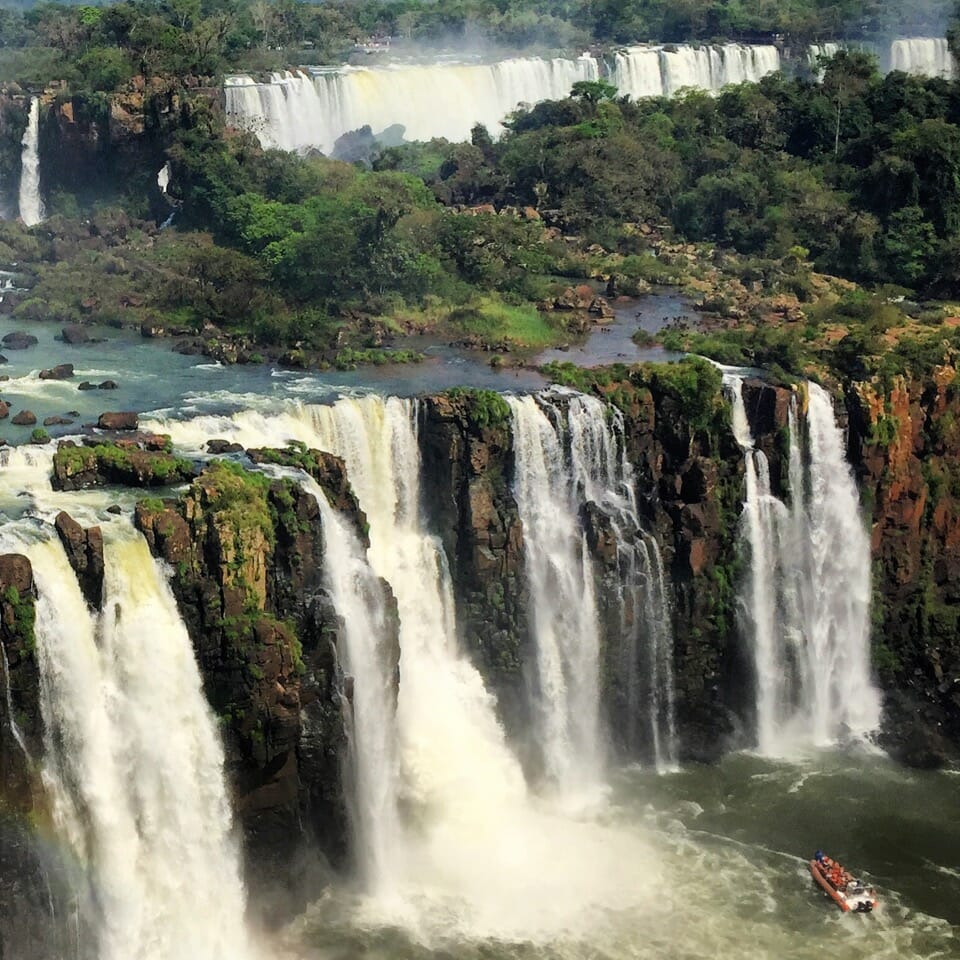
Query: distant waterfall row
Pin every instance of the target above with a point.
(298, 111)
(918, 56)
(313, 108)
(646, 71)
(806, 591)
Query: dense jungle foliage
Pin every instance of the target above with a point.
(99, 47)
(846, 173)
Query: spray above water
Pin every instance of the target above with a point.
(806, 597)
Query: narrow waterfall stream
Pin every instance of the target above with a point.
(133, 762)
(359, 599)
(806, 597)
(563, 605)
(31, 204)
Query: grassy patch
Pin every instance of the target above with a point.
(494, 322)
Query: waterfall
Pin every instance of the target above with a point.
(923, 56)
(563, 607)
(302, 111)
(359, 599)
(133, 763)
(569, 452)
(454, 755)
(473, 840)
(654, 71)
(806, 597)
(15, 730)
(31, 204)
(163, 177)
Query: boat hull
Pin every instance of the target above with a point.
(864, 901)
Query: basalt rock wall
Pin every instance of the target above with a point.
(905, 445)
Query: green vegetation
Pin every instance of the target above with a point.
(39, 435)
(314, 261)
(24, 615)
(238, 501)
(98, 48)
(112, 463)
(487, 408)
(693, 385)
(350, 359)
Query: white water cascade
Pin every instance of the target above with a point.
(918, 56)
(569, 453)
(473, 841)
(31, 204)
(923, 56)
(359, 599)
(657, 71)
(302, 111)
(806, 598)
(133, 763)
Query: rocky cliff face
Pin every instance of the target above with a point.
(90, 144)
(247, 554)
(905, 444)
(467, 452)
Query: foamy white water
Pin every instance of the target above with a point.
(474, 839)
(563, 610)
(133, 762)
(923, 56)
(570, 451)
(31, 203)
(359, 599)
(806, 596)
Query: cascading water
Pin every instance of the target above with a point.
(133, 763)
(473, 840)
(806, 597)
(568, 453)
(300, 111)
(359, 599)
(923, 56)
(31, 204)
(563, 606)
(15, 730)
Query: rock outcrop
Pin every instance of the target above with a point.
(467, 450)
(248, 557)
(84, 549)
(905, 445)
(128, 463)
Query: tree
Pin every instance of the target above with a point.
(846, 76)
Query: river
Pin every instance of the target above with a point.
(708, 862)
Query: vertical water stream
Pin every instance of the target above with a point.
(806, 596)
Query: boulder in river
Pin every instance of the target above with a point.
(4, 410)
(19, 340)
(107, 385)
(119, 420)
(62, 371)
(73, 334)
(56, 422)
(86, 385)
(25, 418)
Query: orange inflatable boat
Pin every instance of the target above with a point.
(846, 891)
